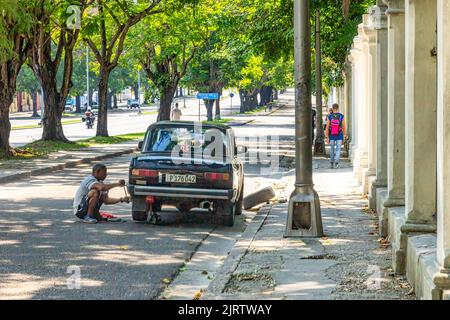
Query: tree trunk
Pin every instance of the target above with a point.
(266, 95)
(116, 106)
(253, 100)
(166, 94)
(78, 104)
(90, 96)
(5, 128)
(102, 123)
(136, 91)
(110, 100)
(209, 109)
(35, 113)
(243, 98)
(218, 108)
(275, 94)
(54, 108)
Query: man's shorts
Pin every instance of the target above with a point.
(84, 205)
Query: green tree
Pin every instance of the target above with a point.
(55, 34)
(27, 82)
(105, 30)
(165, 46)
(15, 25)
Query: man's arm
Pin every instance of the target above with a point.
(111, 201)
(327, 129)
(106, 187)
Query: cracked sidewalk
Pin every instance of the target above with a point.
(349, 262)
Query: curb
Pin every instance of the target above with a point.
(218, 284)
(62, 166)
(240, 124)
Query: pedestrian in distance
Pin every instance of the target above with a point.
(93, 193)
(314, 120)
(335, 133)
(176, 113)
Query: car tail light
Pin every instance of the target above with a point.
(144, 173)
(211, 176)
(150, 200)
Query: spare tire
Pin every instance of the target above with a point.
(262, 195)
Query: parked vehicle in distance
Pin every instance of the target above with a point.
(70, 105)
(132, 104)
(187, 166)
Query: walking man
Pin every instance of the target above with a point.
(176, 113)
(335, 133)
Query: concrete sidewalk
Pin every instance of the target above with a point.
(350, 262)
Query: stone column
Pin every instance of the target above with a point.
(395, 196)
(396, 103)
(348, 99)
(361, 153)
(355, 52)
(354, 85)
(378, 14)
(442, 279)
(420, 131)
(363, 103)
(420, 120)
(371, 106)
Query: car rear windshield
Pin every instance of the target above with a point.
(188, 140)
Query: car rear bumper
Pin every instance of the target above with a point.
(174, 192)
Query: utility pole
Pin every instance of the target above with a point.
(139, 91)
(88, 96)
(319, 144)
(304, 216)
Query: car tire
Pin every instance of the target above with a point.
(225, 213)
(140, 216)
(240, 200)
(184, 209)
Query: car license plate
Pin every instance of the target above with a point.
(181, 178)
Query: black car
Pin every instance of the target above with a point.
(188, 165)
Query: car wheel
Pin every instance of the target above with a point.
(140, 216)
(225, 213)
(240, 201)
(183, 208)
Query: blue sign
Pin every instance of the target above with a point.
(232, 95)
(208, 96)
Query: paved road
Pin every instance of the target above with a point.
(122, 122)
(40, 239)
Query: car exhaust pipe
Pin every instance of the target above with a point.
(206, 205)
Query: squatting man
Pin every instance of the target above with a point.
(93, 193)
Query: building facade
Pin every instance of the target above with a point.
(397, 97)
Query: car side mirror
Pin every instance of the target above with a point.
(241, 149)
(140, 145)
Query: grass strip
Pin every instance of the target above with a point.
(40, 149)
(35, 126)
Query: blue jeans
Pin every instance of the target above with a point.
(335, 150)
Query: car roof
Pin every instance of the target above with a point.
(181, 124)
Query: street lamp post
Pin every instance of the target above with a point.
(304, 215)
(319, 144)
